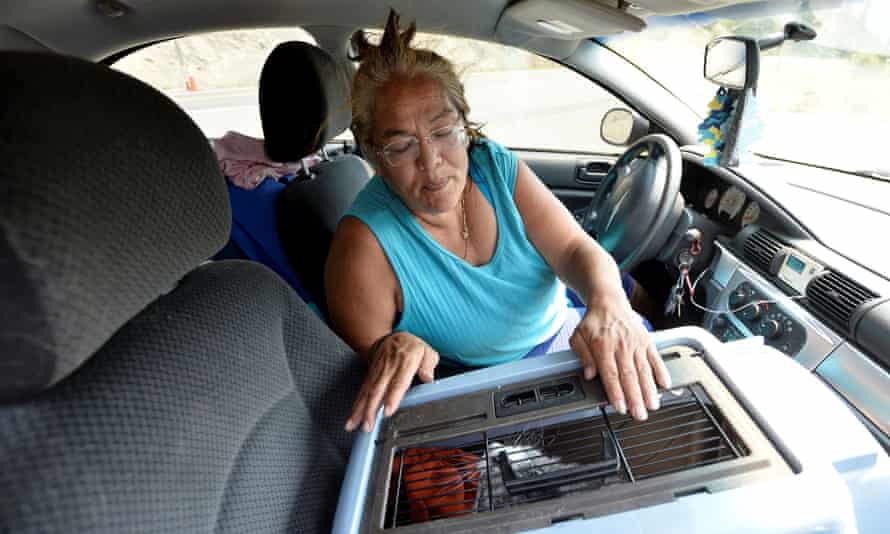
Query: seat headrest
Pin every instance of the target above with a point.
(304, 100)
(109, 194)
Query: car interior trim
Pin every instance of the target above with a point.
(870, 331)
(861, 381)
(14, 39)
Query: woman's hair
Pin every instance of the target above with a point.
(394, 58)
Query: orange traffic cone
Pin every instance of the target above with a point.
(190, 83)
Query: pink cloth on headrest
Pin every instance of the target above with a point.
(243, 160)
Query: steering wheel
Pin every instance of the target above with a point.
(638, 203)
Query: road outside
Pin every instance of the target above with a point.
(511, 104)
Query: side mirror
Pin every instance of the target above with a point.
(622, 127)
(733, 62)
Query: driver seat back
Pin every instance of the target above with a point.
(304, 104)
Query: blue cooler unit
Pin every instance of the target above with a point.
(746, 441)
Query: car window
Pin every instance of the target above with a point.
(524, 100)
(822, 102)
(213, 76)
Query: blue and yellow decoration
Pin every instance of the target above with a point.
(731, 127)
(715, 128)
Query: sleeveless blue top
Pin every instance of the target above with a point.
(475, 316)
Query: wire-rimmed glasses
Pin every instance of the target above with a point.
(406, 149)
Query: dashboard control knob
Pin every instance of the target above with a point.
(751, 312)
(738, 297)
(772, 329)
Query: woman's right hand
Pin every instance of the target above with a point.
(394, 360)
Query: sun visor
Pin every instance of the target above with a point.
(555, 27)
(13, 39)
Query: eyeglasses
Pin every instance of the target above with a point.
(406, 150)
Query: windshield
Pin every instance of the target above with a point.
(824, 102)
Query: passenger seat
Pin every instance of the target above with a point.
(304, 103)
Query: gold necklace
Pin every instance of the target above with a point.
(465, 233)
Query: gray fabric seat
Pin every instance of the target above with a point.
(142, 392)
(304, 103)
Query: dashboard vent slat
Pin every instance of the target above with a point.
(761, 247)
(835, 298)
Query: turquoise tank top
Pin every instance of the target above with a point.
(475, 316)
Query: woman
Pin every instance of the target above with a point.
(456, 249)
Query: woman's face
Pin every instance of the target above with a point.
(433, 182)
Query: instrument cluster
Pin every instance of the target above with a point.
(724, 203)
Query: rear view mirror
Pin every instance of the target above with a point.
(733, 62)
(621, 127)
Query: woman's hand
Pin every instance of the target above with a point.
(611, 340)
(394, 360)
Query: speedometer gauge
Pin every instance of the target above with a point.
(752, 213)
(711, 198)
(732, 202)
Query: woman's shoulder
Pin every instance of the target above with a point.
(372, 199)
(490, 147)
(491, 157)
(356, 240)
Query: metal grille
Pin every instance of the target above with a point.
(687, 432)
(545, 459)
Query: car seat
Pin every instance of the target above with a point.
(299, 118)
(144, 390)
(304, 102)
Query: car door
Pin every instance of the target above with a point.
(572, 176)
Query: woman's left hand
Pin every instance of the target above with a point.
(611, 341)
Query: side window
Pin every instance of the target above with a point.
(526, 101)
(214, 77)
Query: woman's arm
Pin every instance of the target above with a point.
(363, 298)
(360, 286)
(610, 340)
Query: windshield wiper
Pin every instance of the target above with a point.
(882, 175)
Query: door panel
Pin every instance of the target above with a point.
(573, 178)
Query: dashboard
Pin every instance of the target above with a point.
(724, 203)
(766, 277)
(745, 304)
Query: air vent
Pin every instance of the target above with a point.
(834, 297)
(761, 247)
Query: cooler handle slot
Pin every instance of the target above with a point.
(537, 397)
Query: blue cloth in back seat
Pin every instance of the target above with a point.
(255, 234)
